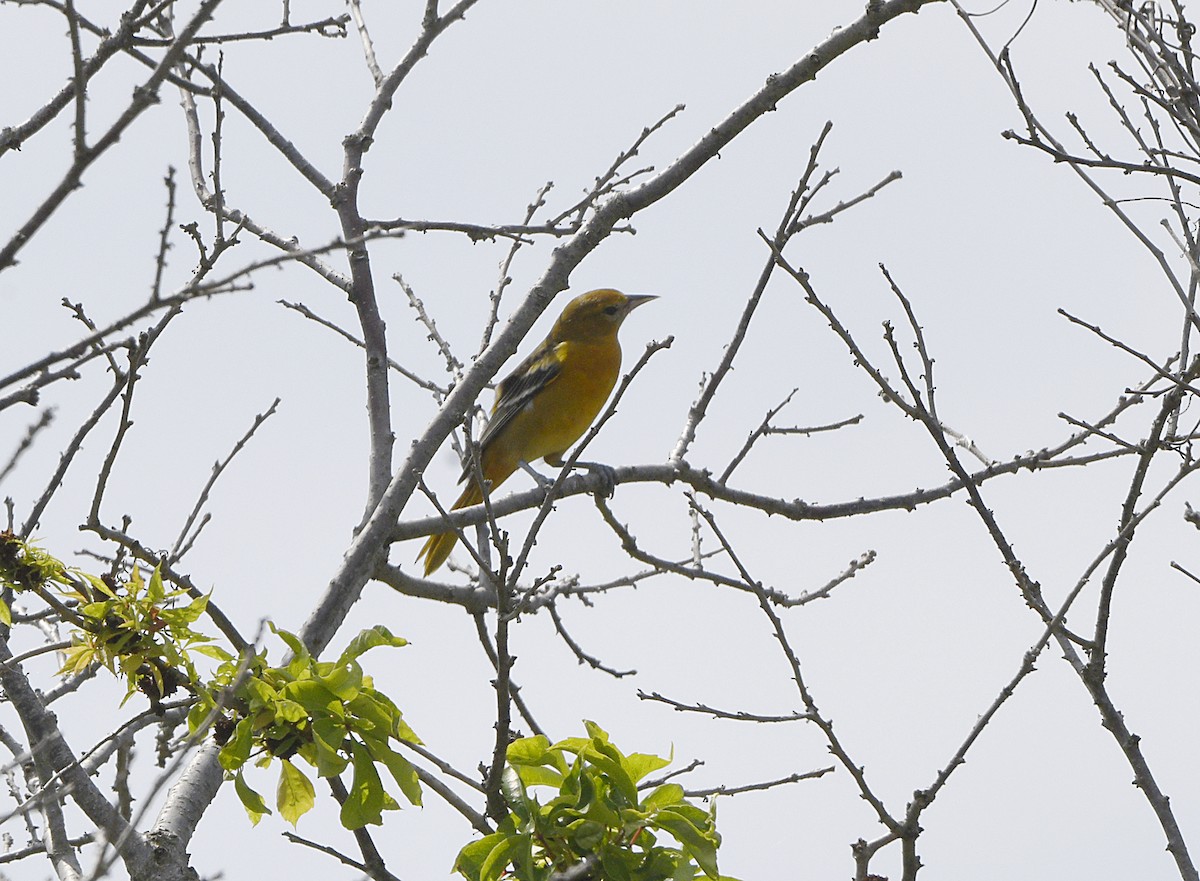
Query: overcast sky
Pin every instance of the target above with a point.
(987, 240)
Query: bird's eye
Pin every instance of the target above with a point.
(611, 310)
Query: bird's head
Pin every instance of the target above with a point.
(596, 313)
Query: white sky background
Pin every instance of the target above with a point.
(987, 239)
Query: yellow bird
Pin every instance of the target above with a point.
(548, 402)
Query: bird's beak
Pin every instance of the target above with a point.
(635, 300)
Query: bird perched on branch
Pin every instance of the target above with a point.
(547, 403)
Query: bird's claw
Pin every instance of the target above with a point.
(607, 475)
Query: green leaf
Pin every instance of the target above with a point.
(539, 775)
(471, 858)
(96, 611)
(328, 736)
(300, 656)
(197, 606)
(295, 796)
(534, 750)
(365, 801)
(514, 793)
(389, 803)
(640, 764)
(343, 680)
(5, 614)
(369, 639)
(236, 750)
(578, 785)
(289, 711)
(576, 745)
(497, 860)
(94, 581)
(398, 729)
(378, 716)
(213, 651)
(698, 817)
(538, 763)
(664, 796)
(595, 732)
(315, 698)
(198, 713)
(76, 659)
(615, 864)
(608, 759)
(402, 772)
(597, 795)
(699, 846)
(401, 731)
(260, 693)
(255, 807)
(156, 592)
(587, 834)
(670, 864)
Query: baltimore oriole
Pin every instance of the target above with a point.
(547, 403)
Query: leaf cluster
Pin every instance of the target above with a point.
(139, 631)
(25, 566)
(597, 815)
(326, 713)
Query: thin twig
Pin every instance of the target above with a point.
(217, 469)
(723, 789)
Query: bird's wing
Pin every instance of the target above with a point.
(520, 387)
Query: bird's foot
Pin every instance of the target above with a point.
(607, 475)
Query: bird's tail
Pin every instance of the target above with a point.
(438, 546)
